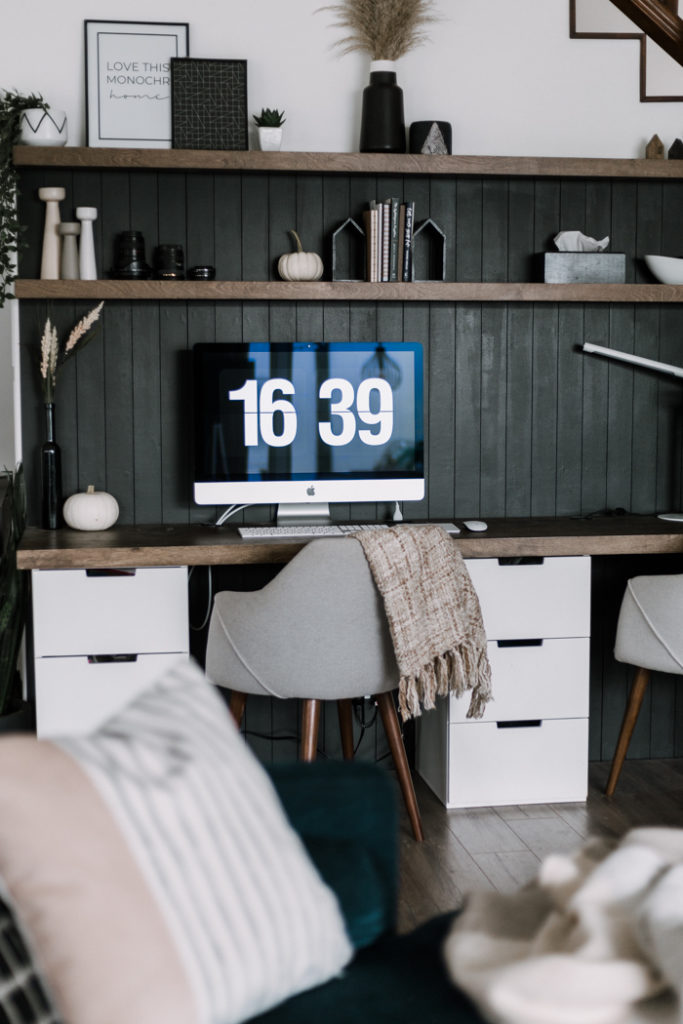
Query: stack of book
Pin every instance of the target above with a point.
(389, 235)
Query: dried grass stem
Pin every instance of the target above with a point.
(386, 29)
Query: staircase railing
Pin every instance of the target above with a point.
(659, 20)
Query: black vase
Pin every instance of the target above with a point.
(382, 126)
(51, 473)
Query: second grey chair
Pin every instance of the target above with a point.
(317, 632)
(649, 637)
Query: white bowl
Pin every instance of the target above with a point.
(667, 269)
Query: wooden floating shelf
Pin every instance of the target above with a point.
(79, 157)
(345, 291)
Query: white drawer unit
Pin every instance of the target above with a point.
(531, 746)
(100, 637)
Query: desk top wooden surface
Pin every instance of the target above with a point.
(155, 545)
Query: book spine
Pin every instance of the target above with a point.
(393, 239)
(401, 240)
(408, 242)
(386, 240)
(370, 223)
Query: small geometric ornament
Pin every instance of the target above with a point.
(676, 150)
(434, 143)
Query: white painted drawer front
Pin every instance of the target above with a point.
(545, 681)
(551, 599)
(543, 764)
(74, 613)
(74, 696)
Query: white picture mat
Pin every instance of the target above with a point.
(128, 81)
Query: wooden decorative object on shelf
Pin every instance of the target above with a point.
(655, 149)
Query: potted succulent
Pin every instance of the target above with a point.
(269, 123)
(12, 104)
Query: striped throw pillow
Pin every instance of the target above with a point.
(157, 874)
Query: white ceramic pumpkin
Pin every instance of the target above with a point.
(90, 510)
(300, 265)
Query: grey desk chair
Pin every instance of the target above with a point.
(316, 632)
(649, 636)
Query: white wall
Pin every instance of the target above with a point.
(527, 90)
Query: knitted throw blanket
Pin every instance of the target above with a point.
(595, 938)
(434, 616)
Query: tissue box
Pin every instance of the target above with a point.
(583, 267)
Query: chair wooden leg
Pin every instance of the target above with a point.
(237, 704)
(310, 722)
(387, 710)
(345, 712)
(642, 678)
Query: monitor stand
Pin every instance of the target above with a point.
(673, 517)
(294, 513)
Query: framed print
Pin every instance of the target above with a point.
(128, 81)
(209, 103)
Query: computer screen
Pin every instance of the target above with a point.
(304, 424)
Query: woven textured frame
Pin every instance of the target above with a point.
(209, 103)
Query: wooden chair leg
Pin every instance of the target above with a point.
(345, 712)
(237, 704)
(310, 722)
(387, 710)
(641, 679)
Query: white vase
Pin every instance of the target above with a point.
(269, 139)
(51, 253)
(86, 253)
(69, 231)
(38, 127)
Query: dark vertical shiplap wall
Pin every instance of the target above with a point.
(518, 421)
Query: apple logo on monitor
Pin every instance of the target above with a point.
(310, 490)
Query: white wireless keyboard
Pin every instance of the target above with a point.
(326, 530)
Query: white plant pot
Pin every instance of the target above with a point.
(39, 127)
(269, 139)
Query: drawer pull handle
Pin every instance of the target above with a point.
(531, 642)
(110, 572)
(522, 560)
(108, 659)
(524, 723)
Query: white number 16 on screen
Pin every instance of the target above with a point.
(260, 408)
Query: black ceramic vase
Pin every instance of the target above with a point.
(382, 126)
(51, 473)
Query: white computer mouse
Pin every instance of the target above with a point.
(475, 525)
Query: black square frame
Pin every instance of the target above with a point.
(209, 103)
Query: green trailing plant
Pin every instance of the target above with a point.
(13, 588)
(386, 29)
(11, 106)
(270, 118)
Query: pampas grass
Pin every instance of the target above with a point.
(386, 29)
(52, 355)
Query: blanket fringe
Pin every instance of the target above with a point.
(454, 671)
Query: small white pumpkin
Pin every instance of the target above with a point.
(300, 265)
(91, 510)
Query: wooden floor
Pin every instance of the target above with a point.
(500, 848)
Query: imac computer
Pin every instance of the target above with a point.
(302, 424)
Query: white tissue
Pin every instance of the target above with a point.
(575, 241)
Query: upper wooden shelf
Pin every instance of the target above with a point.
(342, 163)
(346, 291)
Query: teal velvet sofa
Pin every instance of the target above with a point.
(346, 814)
